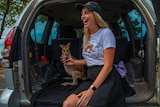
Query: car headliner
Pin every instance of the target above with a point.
(66, 13)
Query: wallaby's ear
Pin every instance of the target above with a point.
(68, 44)
(61, 45)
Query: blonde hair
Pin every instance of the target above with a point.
(100, 22)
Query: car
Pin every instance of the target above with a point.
(31, 55)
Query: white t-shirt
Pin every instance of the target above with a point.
(99, 41)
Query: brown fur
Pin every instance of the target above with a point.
(76, 71)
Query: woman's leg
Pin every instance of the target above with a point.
(110, 94)
(71, 101)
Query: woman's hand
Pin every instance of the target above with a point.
(70, 61)
(84, 97)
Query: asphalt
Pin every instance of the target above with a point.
(2, 80)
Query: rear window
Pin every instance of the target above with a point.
(38, 28)
(137, 23)
(54, 32)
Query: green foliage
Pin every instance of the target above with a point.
(41, 18)
(9, 12)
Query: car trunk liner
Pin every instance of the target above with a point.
(52, 94)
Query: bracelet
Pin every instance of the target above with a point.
(93, 87)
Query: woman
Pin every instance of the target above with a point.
(103, 87)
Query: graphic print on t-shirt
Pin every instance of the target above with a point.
(89, 49)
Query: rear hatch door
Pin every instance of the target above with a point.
(156, 4)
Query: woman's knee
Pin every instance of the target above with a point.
(70, 101)
(66, 103)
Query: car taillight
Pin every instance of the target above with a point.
(5, 53)
(8, 42)
(5, 62)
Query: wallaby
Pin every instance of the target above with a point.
(76, 71)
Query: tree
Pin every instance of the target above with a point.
(9, 11)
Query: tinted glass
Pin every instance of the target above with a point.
(123, 29)
(54, 32)
(137, 22)
(38, 28)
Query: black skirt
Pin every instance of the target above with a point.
(109, 94)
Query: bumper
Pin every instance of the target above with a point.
(9, 98)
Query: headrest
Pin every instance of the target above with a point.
(67, 32)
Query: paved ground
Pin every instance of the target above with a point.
(2, 81)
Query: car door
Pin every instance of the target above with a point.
(156, 4)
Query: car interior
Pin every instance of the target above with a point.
(60, 23)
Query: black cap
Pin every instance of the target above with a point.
(94, 6)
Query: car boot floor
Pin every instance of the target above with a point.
(53, 93)
(141, 89)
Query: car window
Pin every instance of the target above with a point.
(54, 32)
(123, 29)
(38, 28)
(137, 23)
